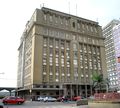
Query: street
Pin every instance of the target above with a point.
(34, 104)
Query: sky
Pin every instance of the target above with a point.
(15, 13)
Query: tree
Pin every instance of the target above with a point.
(100, 82)
(97, 80)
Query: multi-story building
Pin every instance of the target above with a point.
(110, 53)
(116, 34)
(58, 54)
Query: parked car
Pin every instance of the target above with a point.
(91, 98)
(76, 98)
(63, 99)
(59, 99)
(41, 98)
(13, 100)
(50, 99)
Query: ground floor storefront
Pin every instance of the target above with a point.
(69, 90)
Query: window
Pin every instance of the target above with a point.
(56, 53)
(74, 37)
(74, 46)
(57, 69)
(50, 59)
(78, 25)
(68, 70)
(51, 78)
(45, 41)
(62, 44)
(61, 20)
(57, 60)
(56, 19)
(73, 24)
(91, 28)
(51, 42)
(68, 54)
(51, 18)
(67, 36)
(66, 22)
(62, 54)
(75, 54)
(68, 45)
(75, 62)
(51, 69)
(44, 68)
(87, 27)
(57, 43)
(45, 17)
(44, 51)
(51, 51)
(45, 31)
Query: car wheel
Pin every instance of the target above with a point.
(5, 103)
(19, 103)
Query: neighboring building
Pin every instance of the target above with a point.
(110, 53)
(116, 34)
(58, 54)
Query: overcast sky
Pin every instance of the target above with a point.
(15, 13)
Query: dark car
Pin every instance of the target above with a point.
(13, 100)
(63, 99)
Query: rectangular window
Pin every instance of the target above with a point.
(44, 68)
(56, 19)
(51, 42)
(62, 54)
(62, 44)
(68, 45)
(68, 70)
(51, 51)
(57, 43)
(44, 51)
(45, 17)
(51, 18)
(66, 21)
(74, 46)
(56, 53)
(51, 69)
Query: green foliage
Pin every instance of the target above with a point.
(97, 77)
(99, 81)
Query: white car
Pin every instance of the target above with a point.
(50, 99)
(41, 98)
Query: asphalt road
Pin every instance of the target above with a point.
(29, 104)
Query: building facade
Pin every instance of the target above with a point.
(58, 54)
(116, 34)
(110, 50)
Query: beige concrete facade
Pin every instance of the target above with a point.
(58, 54)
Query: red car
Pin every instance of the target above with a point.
(13, 100)
(76, 98)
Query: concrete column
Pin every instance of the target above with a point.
(85, 90)
(65, 91)
(80, 90)
(77, 89)
(91, 92)
(71, 91)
